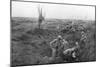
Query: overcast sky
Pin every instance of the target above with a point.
(26, 9)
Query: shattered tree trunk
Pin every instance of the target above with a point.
(40, 18)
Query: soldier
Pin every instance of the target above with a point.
(70, 55)
(57, 46)
(83, 36)
(83, 39)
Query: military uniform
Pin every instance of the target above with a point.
(71, 54)
(58, 46)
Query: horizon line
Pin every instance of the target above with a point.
(55, 18)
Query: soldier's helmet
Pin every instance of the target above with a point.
(59, 37)
(82, 32)
(77, 44)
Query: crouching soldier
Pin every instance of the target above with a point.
(71, 54)
(57, 46)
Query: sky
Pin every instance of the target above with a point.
(59, 11)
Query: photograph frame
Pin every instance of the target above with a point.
(46, 3)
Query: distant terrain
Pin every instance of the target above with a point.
(29, 44)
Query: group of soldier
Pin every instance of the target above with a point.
(60, 48)
(59, 45)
